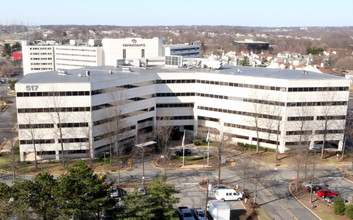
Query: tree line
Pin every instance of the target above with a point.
(81, 194)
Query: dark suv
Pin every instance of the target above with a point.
(180, 152)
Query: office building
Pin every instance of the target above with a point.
(284, 108)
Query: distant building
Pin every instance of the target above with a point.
(37, 58)
(250, 45)
(186, 51)
(73, 57)
(131, 48)
(45, 56)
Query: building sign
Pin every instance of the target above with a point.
(133, 44)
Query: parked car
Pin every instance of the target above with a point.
(116, 192)
(315, 185)
(186, 214)
(330, 199)
(228, 194)
(180, 152)
(200, 214)
(215, 187)
(325, 193)
(142, 190)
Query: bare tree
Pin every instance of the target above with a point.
(246, 169)
(258, 118)
(302, 124)
(58, 117)
(348, 132)
(327, 118)
(31, 130)
(257, 177)
(162, 136)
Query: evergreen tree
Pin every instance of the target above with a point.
(338, 206)
(80, 194)
(157, 204)
(5, 202)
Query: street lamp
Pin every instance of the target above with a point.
(142, 146)
(203, 170)
(104, 153)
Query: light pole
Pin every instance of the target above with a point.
(104, 161)
(203, 170)
(142, 147)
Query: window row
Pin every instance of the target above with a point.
(41, 53)
(73, 125)
(311, 118)
(38, 141)
(291, 104)
(75, 49)
(145, 120)
(207, 118)
(31, 126)
(316, 89)
(299, 132)
(251, 128)
(63, 93)
(78, 55)
(73, 140)
(68, 109)
(243, 85)
(334, 131)
(240, 113)
(184, 117)
(87, 61)
(175, 81)
(265, 141)
(40, 48)
(118, 117)
(121, 87)
(175, 94)
(297, 143)
(175, 105)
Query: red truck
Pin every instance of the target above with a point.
(326, 193)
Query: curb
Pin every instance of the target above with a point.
(155, 165)
(302, 203)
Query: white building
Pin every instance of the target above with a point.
(287, 107)
(131, 48)
(37, 58)
(73, 57)
(187, 51)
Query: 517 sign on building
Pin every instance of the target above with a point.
(32, 87)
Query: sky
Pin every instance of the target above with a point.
(270, 13)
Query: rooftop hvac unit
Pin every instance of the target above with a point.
(62, 72)
(110, 72)
(88, 73)
(126, 69)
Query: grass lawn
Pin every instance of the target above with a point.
(325, 215)
(261, 214)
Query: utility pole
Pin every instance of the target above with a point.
(206, 200)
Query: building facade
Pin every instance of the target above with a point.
(37, 58)
(186, 51)
(73, 57)
(77, 110)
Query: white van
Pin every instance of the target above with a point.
(228, 194)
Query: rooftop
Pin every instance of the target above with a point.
(101, 73)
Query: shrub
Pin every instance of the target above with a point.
(338, 206)
(349, 211)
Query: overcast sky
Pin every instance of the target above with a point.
(270, 13)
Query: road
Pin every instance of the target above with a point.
(272, 195)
